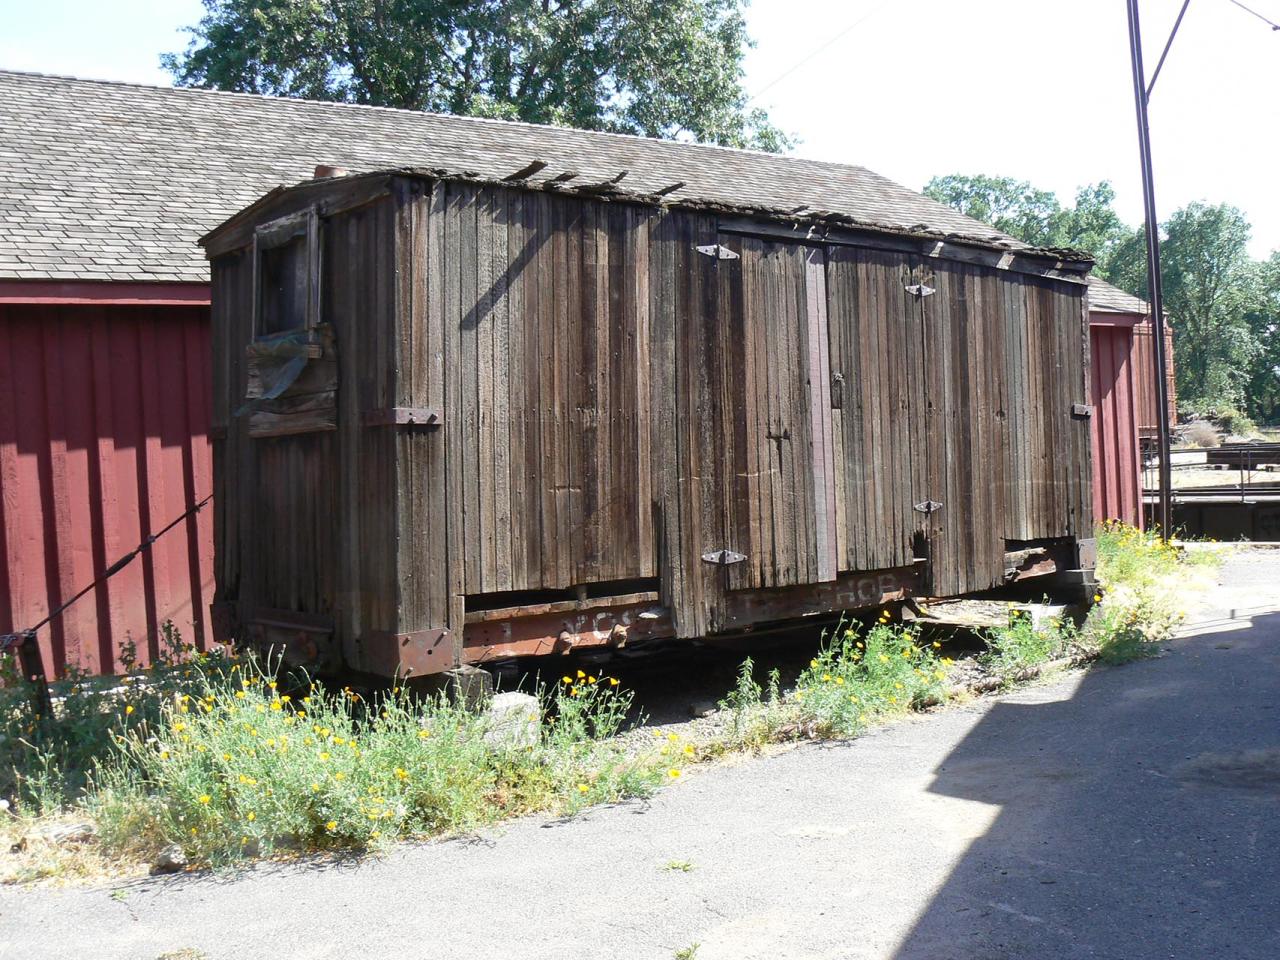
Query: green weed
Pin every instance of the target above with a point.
(860, 676)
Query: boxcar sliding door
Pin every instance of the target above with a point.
(881, 413)
(781, 500)
(756, 405)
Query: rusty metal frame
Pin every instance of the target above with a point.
(405, 654)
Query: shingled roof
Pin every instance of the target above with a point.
(1103, 296)
(117, 181)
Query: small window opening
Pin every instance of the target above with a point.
(286, 275)
(283, 288)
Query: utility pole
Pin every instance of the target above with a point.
(1141, 95)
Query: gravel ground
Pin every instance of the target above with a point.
(1125, 812)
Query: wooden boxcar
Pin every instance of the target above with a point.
(459, 419)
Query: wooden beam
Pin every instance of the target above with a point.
(1014, 261)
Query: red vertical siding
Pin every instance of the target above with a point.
(104, 414)
(1144, 377)
(1117, 467)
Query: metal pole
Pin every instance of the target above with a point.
(1153, 267)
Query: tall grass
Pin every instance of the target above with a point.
(859, 676)
(239, 759)
(1147, 588)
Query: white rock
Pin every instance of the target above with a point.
(171, 860)
(513, 721)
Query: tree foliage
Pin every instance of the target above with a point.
(1224, 307)
(1210, 287)
(1263, 318)
(1037, 216)
(659, 68)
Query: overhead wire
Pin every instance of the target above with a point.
(1271, 23)
(817, 50)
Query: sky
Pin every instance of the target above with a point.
(1038, 90)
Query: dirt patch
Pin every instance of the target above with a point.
(1257, 770)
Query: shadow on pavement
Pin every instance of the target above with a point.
(1140, 818)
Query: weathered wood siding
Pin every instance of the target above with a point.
(535, 344)
(617, 406)
(306, 522)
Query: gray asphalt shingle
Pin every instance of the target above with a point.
(139, 173)
(1104, 296)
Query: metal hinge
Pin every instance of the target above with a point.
(927, 506)
(1081, 410)
(920, 289)
(717, 251)
(401, 416)
(723, 557)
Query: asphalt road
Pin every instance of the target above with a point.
(1128, 812)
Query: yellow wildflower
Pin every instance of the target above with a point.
(673, 773)
(331, 826)
(205, 799)
(129, 709)
(582, 788)
(613, 681)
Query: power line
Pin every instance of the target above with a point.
(1272, 24)
(813, 53)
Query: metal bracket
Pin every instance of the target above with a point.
(927, 506)
(1081, 411)
(723, 557)
(717, 251)
(401, 416)
(920, 289)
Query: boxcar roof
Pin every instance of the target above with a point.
(116, 181)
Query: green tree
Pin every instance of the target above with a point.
(1011, 206)
(1210, 287)
(1263, 389)
(1037, 216)
(659, 68)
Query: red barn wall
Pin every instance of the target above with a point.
(104, 413)
(1144, 364)
(1116, 463)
